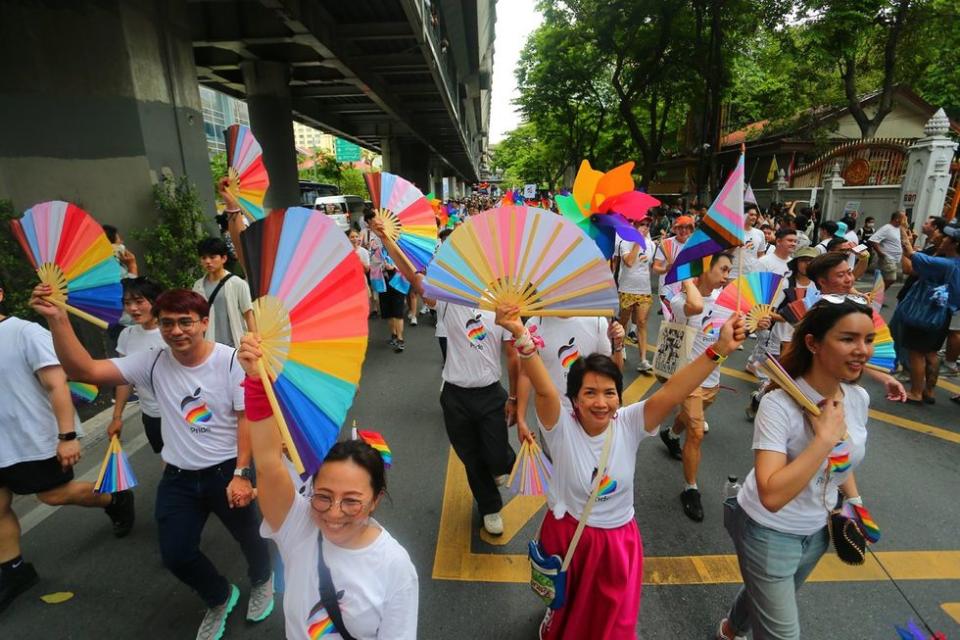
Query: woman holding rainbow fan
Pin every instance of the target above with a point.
(602, 594)
(345, 576)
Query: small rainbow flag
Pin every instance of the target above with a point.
(839, 458)
(116, 474)
(376, 441)
(81, 392)
(871, 530)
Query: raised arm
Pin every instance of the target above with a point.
(401, 260)
(275, 491)
(693, 299)
(75, 359)
(684, 382)
(547, 399)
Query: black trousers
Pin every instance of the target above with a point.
(476, 424)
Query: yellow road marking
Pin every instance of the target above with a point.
(455, 560)
(952, 609)
(516, 514)
(949, 386)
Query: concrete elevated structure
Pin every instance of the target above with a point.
(98, 98)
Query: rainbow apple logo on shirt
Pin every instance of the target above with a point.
(607, 486)
(568, 354)
(319, 623)
(195, 409)
(476, 332)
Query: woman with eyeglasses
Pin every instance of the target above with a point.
(778, 521)
(330, 529)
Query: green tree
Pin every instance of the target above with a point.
(170, 245)
(16, 273)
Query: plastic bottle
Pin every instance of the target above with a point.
(730, 488)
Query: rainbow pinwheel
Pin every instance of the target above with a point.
(71, 253)
(522, 256)
(597, 203)
(311, 306)
(407, 216)
(755, 292)
(247, 176)
(531, 472)
(81, 392)
(116, 474)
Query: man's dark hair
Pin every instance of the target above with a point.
(821, 265)
(111, 232)
(829, 226)
(835, 243)
(938, 223)
(181, 301)
(783, 232)
(212, 247)
(141, 288)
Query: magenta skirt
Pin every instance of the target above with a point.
(604, 582)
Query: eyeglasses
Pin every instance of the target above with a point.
(348, 506)
(840, 298)
(167, 324)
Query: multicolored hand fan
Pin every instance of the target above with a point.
(248, 179)
(522, 256)
(913, 632)
(82, 393)
(407, 216)
(755, 293)
(311, 306)
(71, 253)
(116, 474)
(531, 472)
(877, 292)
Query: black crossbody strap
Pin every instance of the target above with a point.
(328, 593)
(216, 290)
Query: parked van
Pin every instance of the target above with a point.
(346, 211)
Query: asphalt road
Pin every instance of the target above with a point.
(908, 480)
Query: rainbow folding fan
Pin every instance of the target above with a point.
(71, 253)
(311, 306)
(82, 393)
(755, 292)
(248, 179)
(116, 474)
(531, 472)
(877, 292)
(595, 204)
(884, 356)
(522, 256)
(407, 216)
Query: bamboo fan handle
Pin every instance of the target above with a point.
(77, 312)
(278, 414)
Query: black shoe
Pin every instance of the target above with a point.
(690, 499)
(16, 581)
(398, 346)
(754, 405)
(673, 444)
(122, 513)
(632, 335)
(392, 341)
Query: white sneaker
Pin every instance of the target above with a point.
(493, 524)
(413, 321)
(215, 620)
(502, 480)
(261, 601)
(644, 366)
(706, 427)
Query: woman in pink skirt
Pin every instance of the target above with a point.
(606, 573)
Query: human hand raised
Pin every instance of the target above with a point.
(732, 334)
(39, 301)
(831, 425)
(249, 354)
(508, 317)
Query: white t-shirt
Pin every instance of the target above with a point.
(575, 458)
(565, 340)
(754, 242)
(667, 251)
(473, 347)
(635, 279)
(704, 338)
(378, 583)
(773, 263)
(441, 309)
(780, 426)
(197, 404)
(888, 237)
(28, 426)
(364, 256)
(135, 339)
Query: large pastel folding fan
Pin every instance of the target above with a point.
(522, 256)
(311, 306)
(531, 472)
(407, 216)
(116, 474)
(71, 253)
(752, 295)
(248, 179)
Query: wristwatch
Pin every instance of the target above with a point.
(69, 435)
(244, 472)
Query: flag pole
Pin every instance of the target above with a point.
(743, 152)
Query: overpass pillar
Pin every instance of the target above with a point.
(408, 159)
(99, 125)
(271, 116)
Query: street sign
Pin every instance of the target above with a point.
(346, 151)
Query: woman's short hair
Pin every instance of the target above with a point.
(363, 455)
(595, 363)
(181, 301)
(141, 287)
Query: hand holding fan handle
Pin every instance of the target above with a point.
(278, 415)
(47, 293)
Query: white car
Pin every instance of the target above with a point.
(336, 208)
